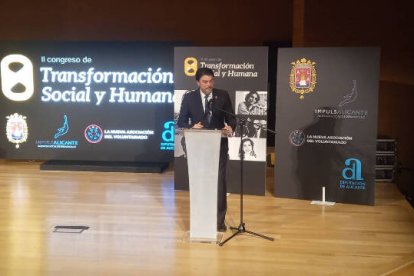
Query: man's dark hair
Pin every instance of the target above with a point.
(202, 72)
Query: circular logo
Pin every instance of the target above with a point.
(297, 138)
(93, 134)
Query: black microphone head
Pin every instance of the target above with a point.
(211, 104)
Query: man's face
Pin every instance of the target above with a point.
(206, 84)
(256, 124)
(263, 123)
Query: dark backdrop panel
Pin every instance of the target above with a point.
(75, 113)
(239, 70)
(327, 138)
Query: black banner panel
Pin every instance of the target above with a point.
(242, 71)
(326, 124)
(96, 101)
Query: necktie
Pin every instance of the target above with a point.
(207, 112)
(205, 103)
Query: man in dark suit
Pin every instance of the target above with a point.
(259, 128)
(196, 112)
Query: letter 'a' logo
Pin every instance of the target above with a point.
(353, 170)
(17, 77)
(190, 66)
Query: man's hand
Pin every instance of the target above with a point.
(227, 130)
(198, 125)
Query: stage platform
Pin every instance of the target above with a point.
(135, 224)
(103, 166)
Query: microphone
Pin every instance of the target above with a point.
(211, 103)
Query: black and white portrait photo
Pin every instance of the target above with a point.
(251, 102)
(251, 149)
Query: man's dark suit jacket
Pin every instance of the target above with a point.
(192, 108)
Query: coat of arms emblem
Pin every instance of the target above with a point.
(303, 77)
(16, 129)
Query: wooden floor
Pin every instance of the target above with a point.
(138, 225)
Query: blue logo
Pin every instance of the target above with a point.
(352, 175)
(353, 170)
(93, 133)
(57, 143)
(168, 133)
(168, 136)
(64, 129)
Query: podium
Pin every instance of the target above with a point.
(203, 155)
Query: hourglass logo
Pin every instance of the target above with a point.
(190, 66)
(17, 77)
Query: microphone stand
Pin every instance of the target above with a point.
(242, 225)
